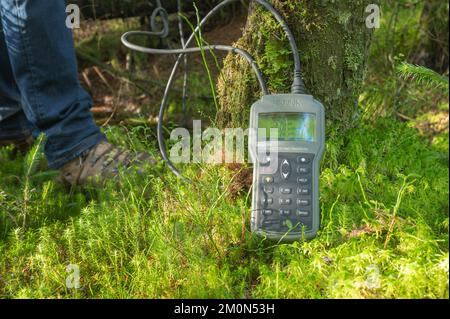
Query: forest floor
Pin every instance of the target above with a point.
(384, 203)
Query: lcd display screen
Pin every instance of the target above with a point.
(290, 126)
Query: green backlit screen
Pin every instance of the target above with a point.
(291, 126)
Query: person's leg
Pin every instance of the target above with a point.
(13, 123)
(43, 61)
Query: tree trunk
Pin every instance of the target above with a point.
(333, 41)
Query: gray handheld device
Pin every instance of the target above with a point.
(287, 143)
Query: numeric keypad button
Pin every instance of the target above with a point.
(270, 223)
(285, 212)
(267, 212)
(285, 191)
(303, 191)
(285, 201)
(302, 213)
(303, 202)
(267, 201)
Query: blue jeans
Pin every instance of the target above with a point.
(39, 87)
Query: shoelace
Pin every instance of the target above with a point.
(118, 152)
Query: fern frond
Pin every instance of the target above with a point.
(423, 75)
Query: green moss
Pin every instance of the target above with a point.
(344, 18)
(157, 238)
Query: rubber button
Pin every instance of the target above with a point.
(303, 159)
(302, 213)
(303, 191)
(268, 179)
(285, 201)
(265, 161)
(285, 212)
(303, 180)
(285, 169)
(285, 191)
(303, 170)
(303, 202)
(269, 190)
(267, 212)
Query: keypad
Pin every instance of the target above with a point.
(286, 196)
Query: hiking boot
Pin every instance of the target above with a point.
(22, 144)
(100, 163)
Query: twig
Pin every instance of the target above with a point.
(99, 110)
(407, 118)
(86, 79)
(130, 78)
(102, 77)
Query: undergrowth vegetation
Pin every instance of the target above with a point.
(384, 202)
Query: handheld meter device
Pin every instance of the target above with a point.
(287, 143)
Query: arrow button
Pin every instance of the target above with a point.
(285, 169)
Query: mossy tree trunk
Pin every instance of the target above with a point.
(333, 41)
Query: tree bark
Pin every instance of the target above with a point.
(333, 41)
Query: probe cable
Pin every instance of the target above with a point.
(162, 13)
(298, 86)
(185, 62)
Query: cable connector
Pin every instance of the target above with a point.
(298, 87)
